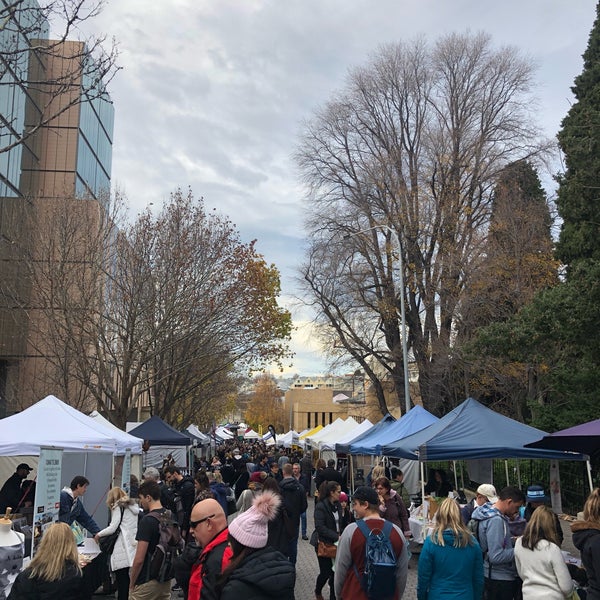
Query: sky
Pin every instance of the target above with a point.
(213, 94)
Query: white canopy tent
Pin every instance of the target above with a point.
(51, 422)
(89, 446)
(332, 433)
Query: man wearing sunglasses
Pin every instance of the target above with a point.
(208, 525)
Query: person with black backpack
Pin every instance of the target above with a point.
(152, 569)
(372, 555)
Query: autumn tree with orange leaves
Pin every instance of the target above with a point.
(265, 406)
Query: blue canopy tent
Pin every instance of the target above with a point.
(344, 448)
(473, 431)
(163, 440)
(416, 419)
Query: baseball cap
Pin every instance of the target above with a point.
(536, 493)
(365, 494)
(24, 466)
(489, 491)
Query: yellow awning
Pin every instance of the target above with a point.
(311, 432)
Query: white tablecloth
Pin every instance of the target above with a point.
(420, 529)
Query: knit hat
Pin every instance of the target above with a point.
(343, 497)
(489, 491)
(258, 476)
(251, 527)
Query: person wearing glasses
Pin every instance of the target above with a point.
(208, 525)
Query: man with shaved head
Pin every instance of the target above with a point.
(208, 525)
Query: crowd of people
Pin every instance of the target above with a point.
(243, 511)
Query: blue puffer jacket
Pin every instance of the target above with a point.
(449, 572)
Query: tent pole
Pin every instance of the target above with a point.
(589, 474)
(351, 473)
(422, 481)
(519, 473)
(455, 475)
(506, 471)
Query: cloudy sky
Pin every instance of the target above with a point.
(213, 93)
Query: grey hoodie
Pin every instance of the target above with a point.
(496, 543)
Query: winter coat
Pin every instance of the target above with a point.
(450, 572)
(71, 510)
(244, 502)
(220, 490)
(496, 543)
(394, 510)
(183, 495)
(263, 574)
(543, 571)
(68, 587)
(206, 570)
(294, 500)
(586, 537)
(125, 546)
(325, 522)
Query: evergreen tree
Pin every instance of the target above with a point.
(579, 191)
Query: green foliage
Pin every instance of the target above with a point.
(579, 139)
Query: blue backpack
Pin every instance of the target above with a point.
(379, 578)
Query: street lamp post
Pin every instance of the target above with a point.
(402, 306)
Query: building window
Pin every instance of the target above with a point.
(323, 419)
(331, 417)
(308, 421)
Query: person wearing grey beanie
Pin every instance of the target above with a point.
(257, 571)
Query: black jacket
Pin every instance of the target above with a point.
(587, 540)
(184, 492)
(263, 574)
(294, 499)
(70, 587)
(327, 474)
(325, 521)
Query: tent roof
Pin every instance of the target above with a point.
(473, 431)
(416, 419)
(193, 431)
(124, 440)
(338, 429)
(379, 426)
(360, 429)
(580, 438)
(159, 433)
(311, 432)
(51, 422)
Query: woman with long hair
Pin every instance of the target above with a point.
(256, 571)
(202, 487)
(54, 571)
(539, 561)
(327, 528)
(124, 514)
(451, 562)
(586, 537)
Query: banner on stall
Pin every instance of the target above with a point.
(47, 493)
(126, 472)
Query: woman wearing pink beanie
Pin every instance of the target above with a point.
(257, 571)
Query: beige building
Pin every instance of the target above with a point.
(65, 161)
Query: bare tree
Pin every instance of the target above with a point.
(50, 75)
(168, 309)
(413, 143)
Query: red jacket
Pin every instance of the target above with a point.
(215, 556)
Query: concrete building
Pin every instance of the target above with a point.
(64, 167)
